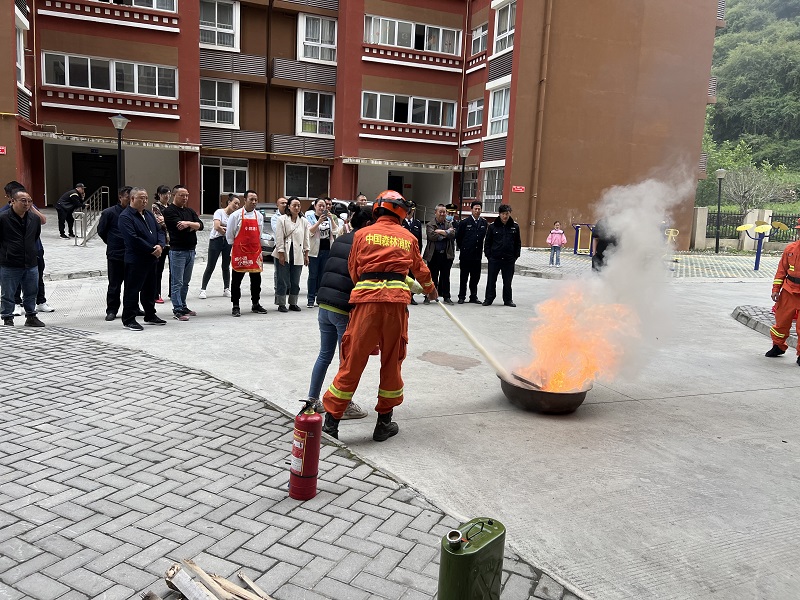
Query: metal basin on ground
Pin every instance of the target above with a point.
(528, 397)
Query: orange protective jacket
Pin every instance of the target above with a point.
(789, 265)
(385, 247)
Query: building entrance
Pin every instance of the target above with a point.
(96, 170)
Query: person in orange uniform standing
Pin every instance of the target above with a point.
(380, 259)
(786, 292)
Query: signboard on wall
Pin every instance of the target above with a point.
(2, 149)
(518, 189)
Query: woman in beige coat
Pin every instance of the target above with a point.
(291, 253)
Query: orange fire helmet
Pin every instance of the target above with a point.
(393, 202)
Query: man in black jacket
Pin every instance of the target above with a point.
(414, 225)
(502, 248)
(109, 232)
(469, 238)
(66, 205)
(182, 224)
(144, 242)
(19, 257)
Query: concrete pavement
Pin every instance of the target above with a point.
(679, 482)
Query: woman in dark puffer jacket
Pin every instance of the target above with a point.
(334, 308)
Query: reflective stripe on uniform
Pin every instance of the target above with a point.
(390, 393)
(429, 284)
(791, 267)
(774, 332)
(778, 282)
(340, 394)
(384, 284)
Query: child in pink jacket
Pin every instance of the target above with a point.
(556, 239)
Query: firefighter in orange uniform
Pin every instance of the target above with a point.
(380, 259)
(786, 292)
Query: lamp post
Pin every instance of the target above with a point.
(119, 124)
(720, 173)
(463, 153)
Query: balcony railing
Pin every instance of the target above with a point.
(234, 139)
(233, 62)
(473, 133)
(297, 145)
(95, 11)
(324, 4)
(303, 72)
(477, 60)
(703, 164)
(721, 10)
(75, 99)
(412, 58)
(403, 132)
(24, 103)
(22, 5)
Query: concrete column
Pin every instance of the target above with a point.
(745, 242)
(699, 223)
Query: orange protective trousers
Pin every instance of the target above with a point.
(382, 324)
(785, 309)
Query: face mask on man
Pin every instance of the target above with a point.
(449, 218)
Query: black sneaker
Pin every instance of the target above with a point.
(33, 321)
(235, 312)
(155, 321)
(71, 234)
(282, 308)
(188, 312)
(413, 302)
(110, 316)
(774, 351)
(461, 301)
(259, 309)
(133, 325)
(511, 304)
(487, 302)
(9, 322)
(65, 236)
(474, 301)
(294, 307)
(798, 358)
(385, 428)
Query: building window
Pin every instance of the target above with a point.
(20, 56)
(475, 113)
(408, 109)
(218, 102)
(315, 110)
(498, 119)
(318, 38)
(504, 27)
(479, 36)
(219, 23)
(157, 4)
(232, 173)
(305, 181)
(426, 38)
(470, 185)
(492, 189)
(96, 74)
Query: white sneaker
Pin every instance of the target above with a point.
(354, 411)
(226, 292)
(44, 307)
(202, 295)
(319, 408)
(19, 310)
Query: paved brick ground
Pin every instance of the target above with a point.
(113, 466)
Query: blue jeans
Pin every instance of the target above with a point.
(331, 330)
(316, 267)
(10, 278)
(181, 263)
(555, 251)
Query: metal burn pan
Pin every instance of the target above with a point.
(525, 395)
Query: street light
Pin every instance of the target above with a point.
(720, 173)
(119, 123)
(463, 153)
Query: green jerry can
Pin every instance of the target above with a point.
(471, 565)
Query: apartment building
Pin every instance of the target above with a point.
(552, 101)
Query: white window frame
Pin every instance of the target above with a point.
(475, 113)
(370, 37)
(216, 29)
(232, 165)
(112, 64)
(470, 185)
(306, 167)
(20, 58)
(301, 116)
(302, 42)
(481, 35)
(498, 125)
(505, 40)
(492, 194)
(217, 109)
(391, 97)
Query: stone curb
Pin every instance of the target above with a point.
(760, 319)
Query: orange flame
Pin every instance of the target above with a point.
(577, 341)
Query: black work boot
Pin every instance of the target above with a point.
(774, 351)
(798, 361)
(384, 428)
(331, 426)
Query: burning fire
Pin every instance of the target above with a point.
(577, 340)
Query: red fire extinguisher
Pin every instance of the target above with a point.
(305, 453)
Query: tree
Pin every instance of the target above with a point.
(749, 187)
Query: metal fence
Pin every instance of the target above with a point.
(784, 236)
(728, 223)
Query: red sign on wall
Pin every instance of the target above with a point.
(2, 149)
(518, 189)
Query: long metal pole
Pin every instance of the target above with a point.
(719, 208)
(120, 182)
(461, 188)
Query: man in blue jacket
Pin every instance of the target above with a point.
(502, 248)
(144, 242)
(109, 232)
